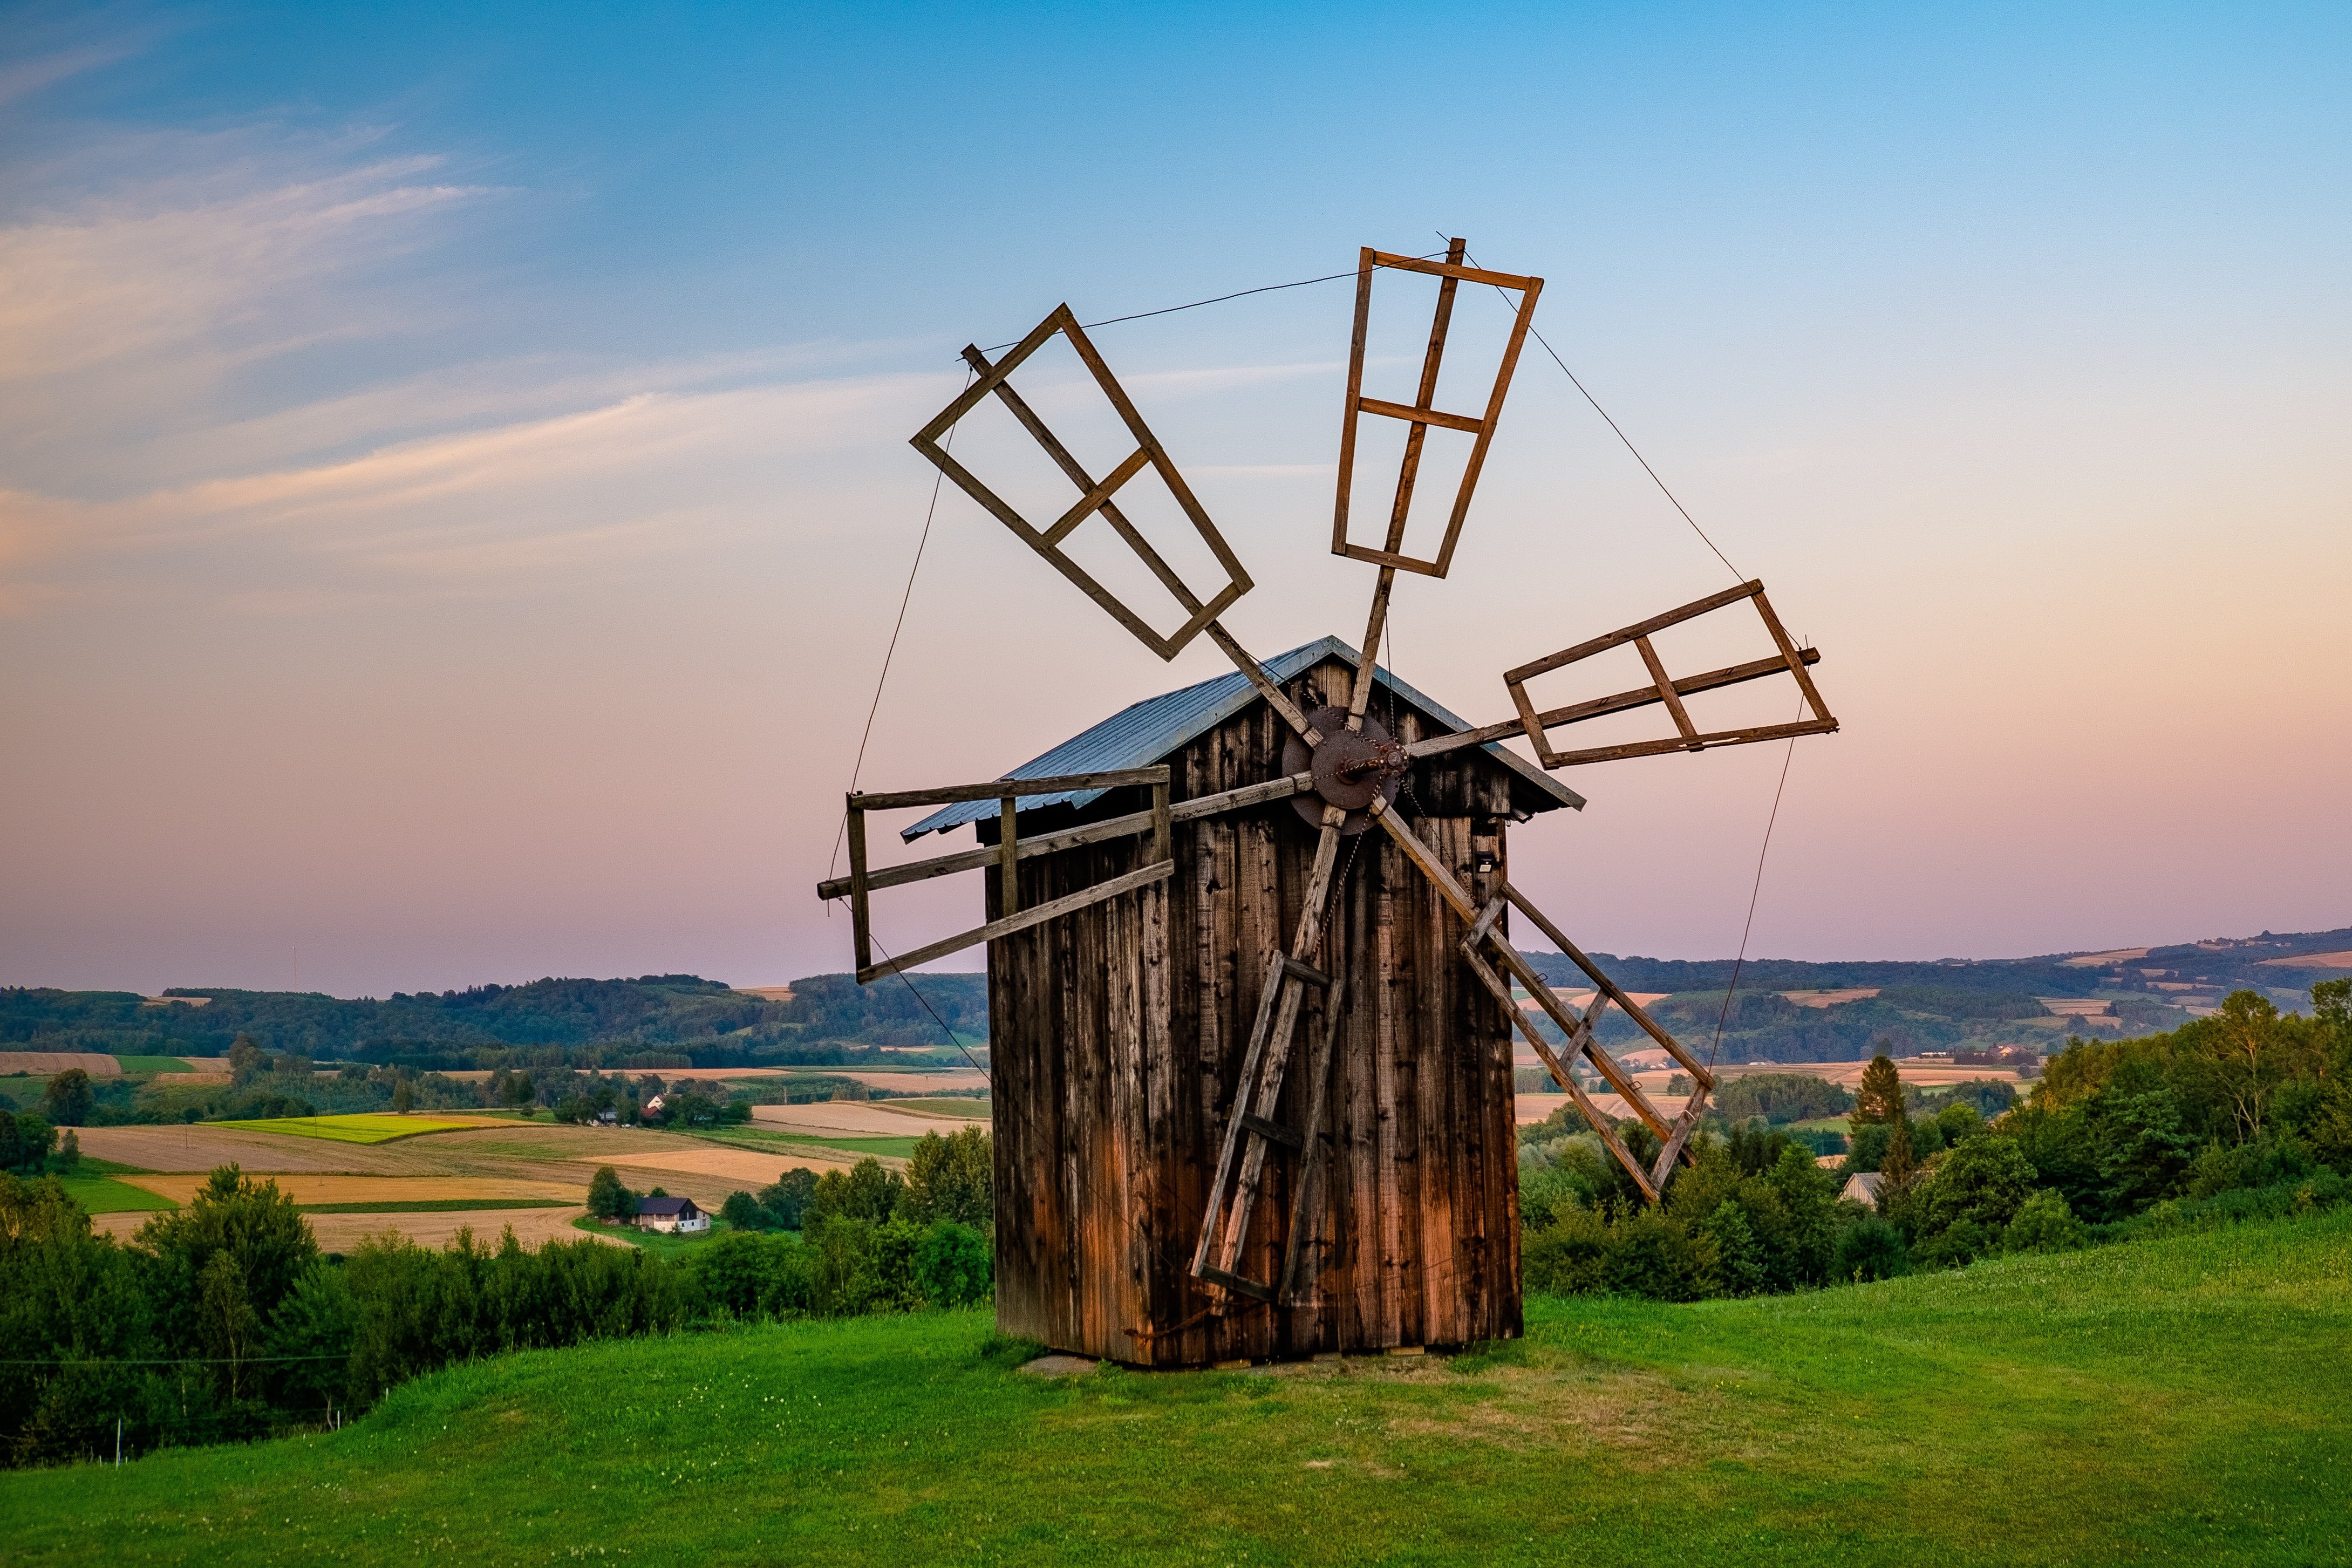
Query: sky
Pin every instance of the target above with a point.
(455, 497)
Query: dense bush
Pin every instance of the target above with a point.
(222, 1320)
(2242, 1115)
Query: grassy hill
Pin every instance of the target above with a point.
(2179, 1400)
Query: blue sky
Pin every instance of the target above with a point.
(457, 493)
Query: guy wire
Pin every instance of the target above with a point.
(875, 707)
(1538, 335)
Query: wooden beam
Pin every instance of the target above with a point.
(1093, 832)
(1008, 857)
(1624, 635)
(1026, 789)
(861, 931)
(1038, 914)
(1419, 417)
(1640, 697)
(1667, 692)
(1455, 270)
(1097, 496)
(1696, 743)
(1601, 982)
(1564, 1077)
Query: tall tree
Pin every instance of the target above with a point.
(2236, 1055)
(1880, 1096)
(1902, 1163)
(68, 1102)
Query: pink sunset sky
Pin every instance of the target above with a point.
(454, 494)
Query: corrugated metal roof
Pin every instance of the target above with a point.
(1140, 736)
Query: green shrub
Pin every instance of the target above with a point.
(1870, 1248)
(954, 1265)
(2044, 1223)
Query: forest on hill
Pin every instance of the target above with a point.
(673, 1022)
(657, 1021)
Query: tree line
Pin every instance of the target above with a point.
(663, 1022)
(224, 1321)
(2245, 1114)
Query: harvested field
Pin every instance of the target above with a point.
(960, 1107)
(732, 1169)
(47, 1064)
(362, 1129)
(854, 1119)
(199, 1146)
(2313, 960)
(503, 1159)
(1830, 998)
(308, 1187)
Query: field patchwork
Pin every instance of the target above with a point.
(362, 1129)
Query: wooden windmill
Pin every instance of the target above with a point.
(1248, 1103)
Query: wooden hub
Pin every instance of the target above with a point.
(1351, 767)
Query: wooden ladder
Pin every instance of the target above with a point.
(1251, 1131)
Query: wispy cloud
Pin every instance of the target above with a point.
(495, 508)
(145, 271)
(21, 78)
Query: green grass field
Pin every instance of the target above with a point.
(104, 1195)
(2157, 1402)
(767, 1140)
(356, 1129)
(152, 1064)
(652, 1241)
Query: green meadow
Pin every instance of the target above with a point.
(363, 1128)
(2168, 1401)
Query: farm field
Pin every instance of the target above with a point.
(112, 1196)
(361, 1129)
(494, 1162)
(962, 1107)
(2171, 1401)
(854, 1119)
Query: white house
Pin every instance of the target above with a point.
(676, 1216)
(1861, 1187)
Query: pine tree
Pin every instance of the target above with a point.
(1901, 1163)
(1879, 1097)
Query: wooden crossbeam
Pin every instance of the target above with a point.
(1127, 826)
(1094, 496)
(1663, 689)
(1420, 415)
(1599, 707)
(1007, 853)
(1579, 1029)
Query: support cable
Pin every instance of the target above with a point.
(1237, 294)
(833, 865)
(1786, 757)
(952, 1039)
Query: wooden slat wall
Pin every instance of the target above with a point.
(1116, 1034)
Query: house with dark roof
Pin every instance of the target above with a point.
(674, 1217)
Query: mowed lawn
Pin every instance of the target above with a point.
(2165, 1402)
(355, 1129)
